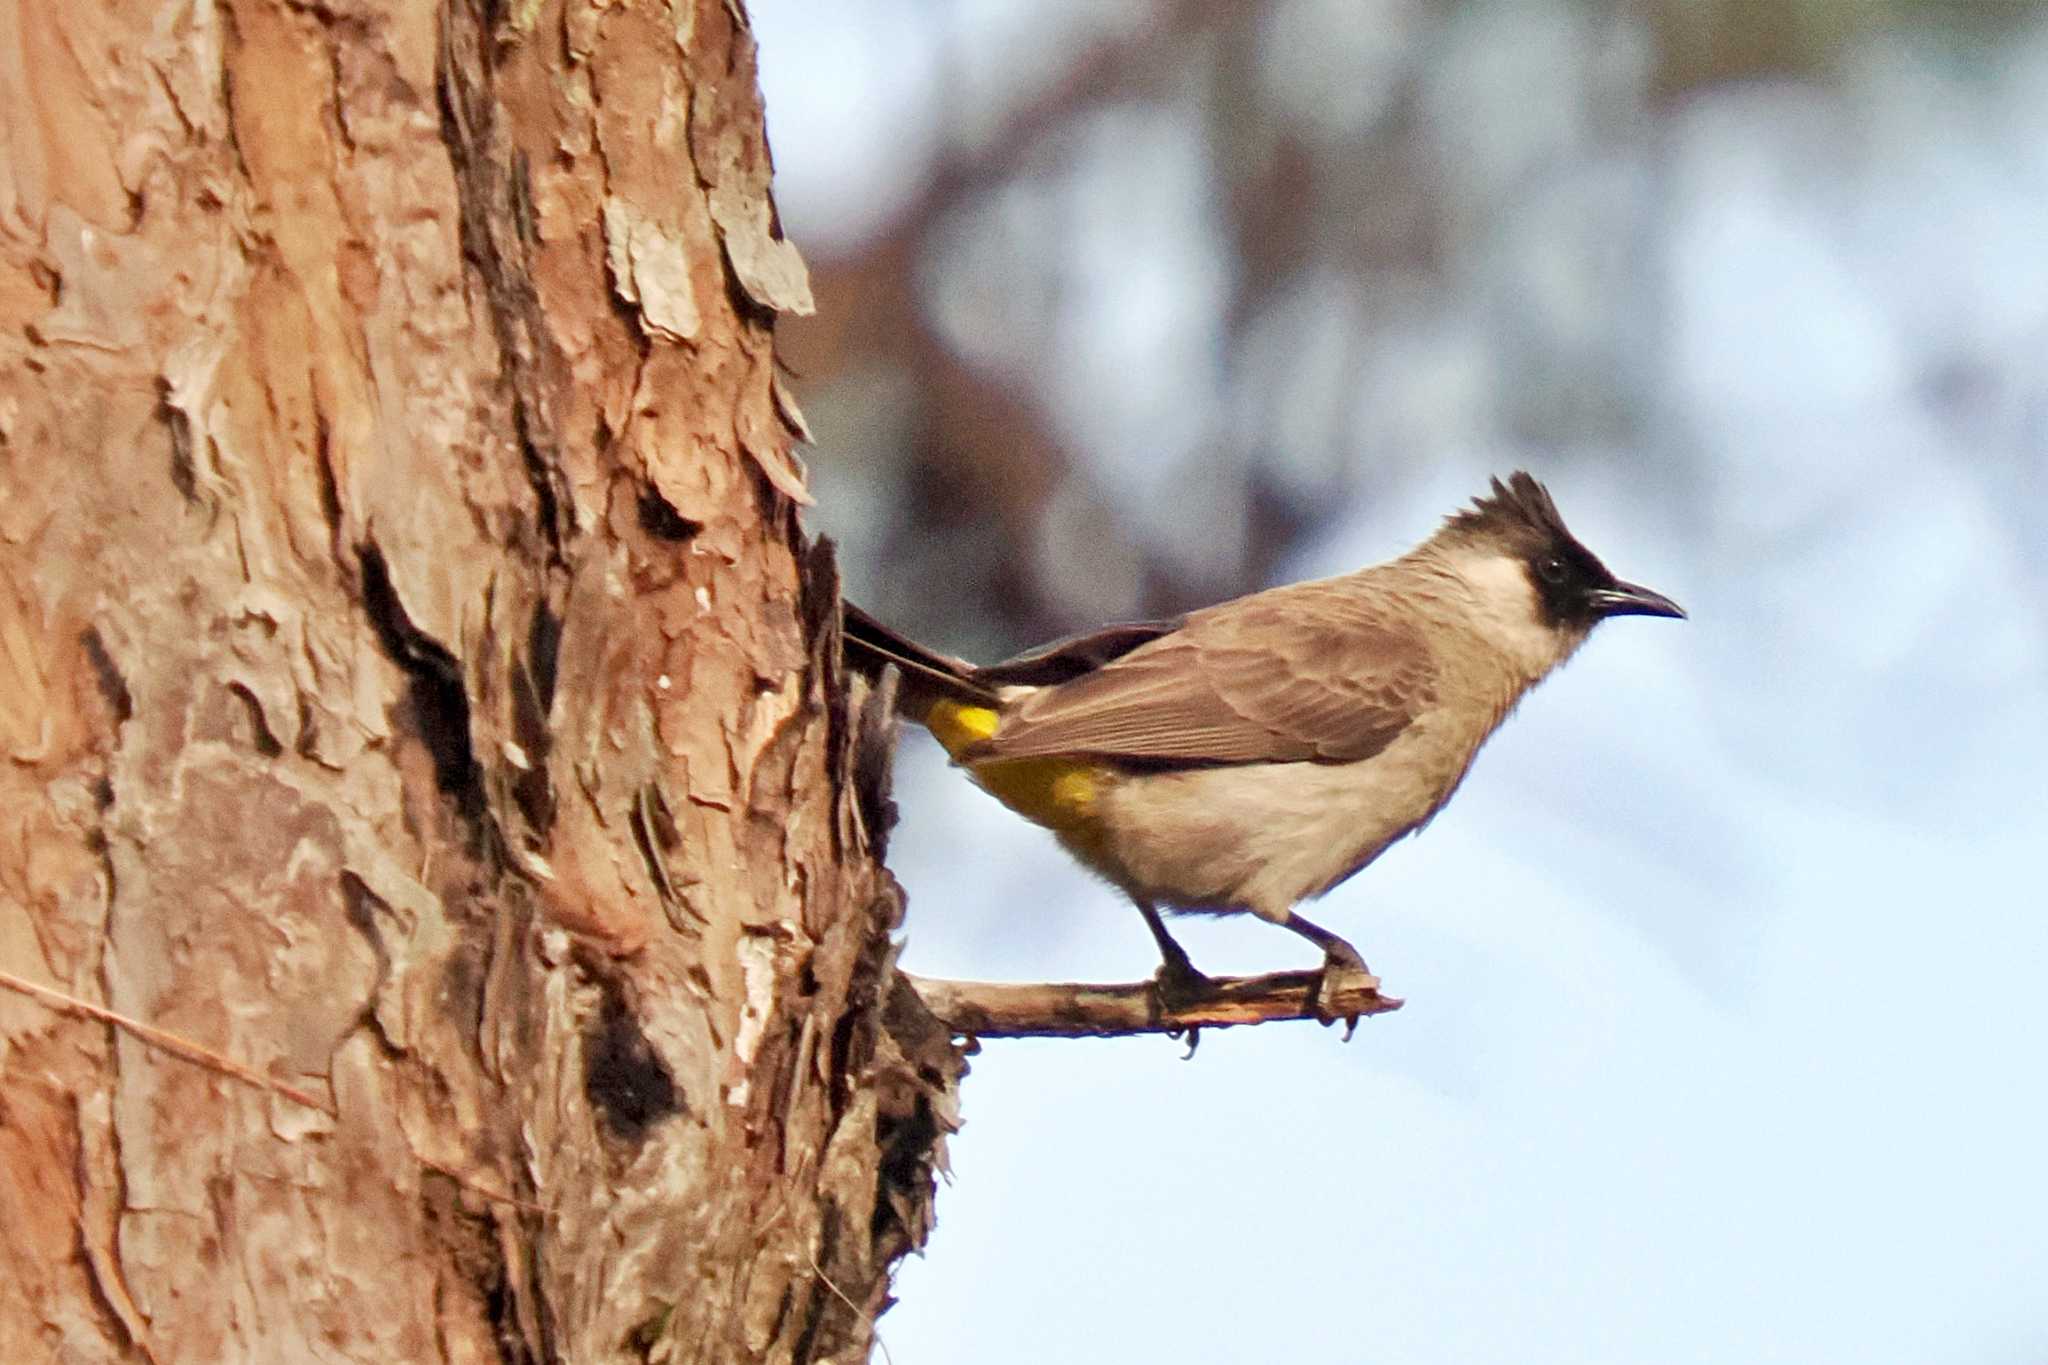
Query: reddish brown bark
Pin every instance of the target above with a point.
(415, 685)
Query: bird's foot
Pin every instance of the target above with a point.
(1177, 985)
(1343, 969)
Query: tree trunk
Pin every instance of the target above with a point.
(415, 687)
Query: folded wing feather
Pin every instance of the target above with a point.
(1307, 673)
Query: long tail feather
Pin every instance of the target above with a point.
(927, 674)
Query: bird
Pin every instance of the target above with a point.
(1249, 756)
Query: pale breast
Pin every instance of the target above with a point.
(1263, 837)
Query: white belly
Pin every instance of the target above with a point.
(1263, 837)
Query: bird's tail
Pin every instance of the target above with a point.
(927, 676)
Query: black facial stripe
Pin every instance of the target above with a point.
(1564, 602)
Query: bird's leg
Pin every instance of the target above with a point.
(1336, 952)
(1177, 981)
(1339, 957)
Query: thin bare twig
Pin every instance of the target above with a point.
(166, 1041)
(206, 1057)
(1064, 1009)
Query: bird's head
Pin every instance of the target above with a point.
(1528, 571)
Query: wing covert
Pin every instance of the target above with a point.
(1310, 673)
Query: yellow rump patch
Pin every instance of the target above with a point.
(1058, 793)
(956, 724)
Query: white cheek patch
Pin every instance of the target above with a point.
(1506, 608)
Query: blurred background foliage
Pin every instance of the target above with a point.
(1118, 298)
(1724, 1038)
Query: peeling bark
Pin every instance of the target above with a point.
(415, 686)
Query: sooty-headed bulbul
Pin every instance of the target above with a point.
(1252, 755)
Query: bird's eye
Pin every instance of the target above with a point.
(1551, 569)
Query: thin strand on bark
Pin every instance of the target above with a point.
(168, 1042)
(187, 1050)
(1066, 1009)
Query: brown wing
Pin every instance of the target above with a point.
(1311, 672)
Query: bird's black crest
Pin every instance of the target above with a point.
(1520, 507)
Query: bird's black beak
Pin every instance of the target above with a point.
(1629, 599)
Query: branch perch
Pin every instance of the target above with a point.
(1063, 1009)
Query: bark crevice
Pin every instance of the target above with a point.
(437, 696)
